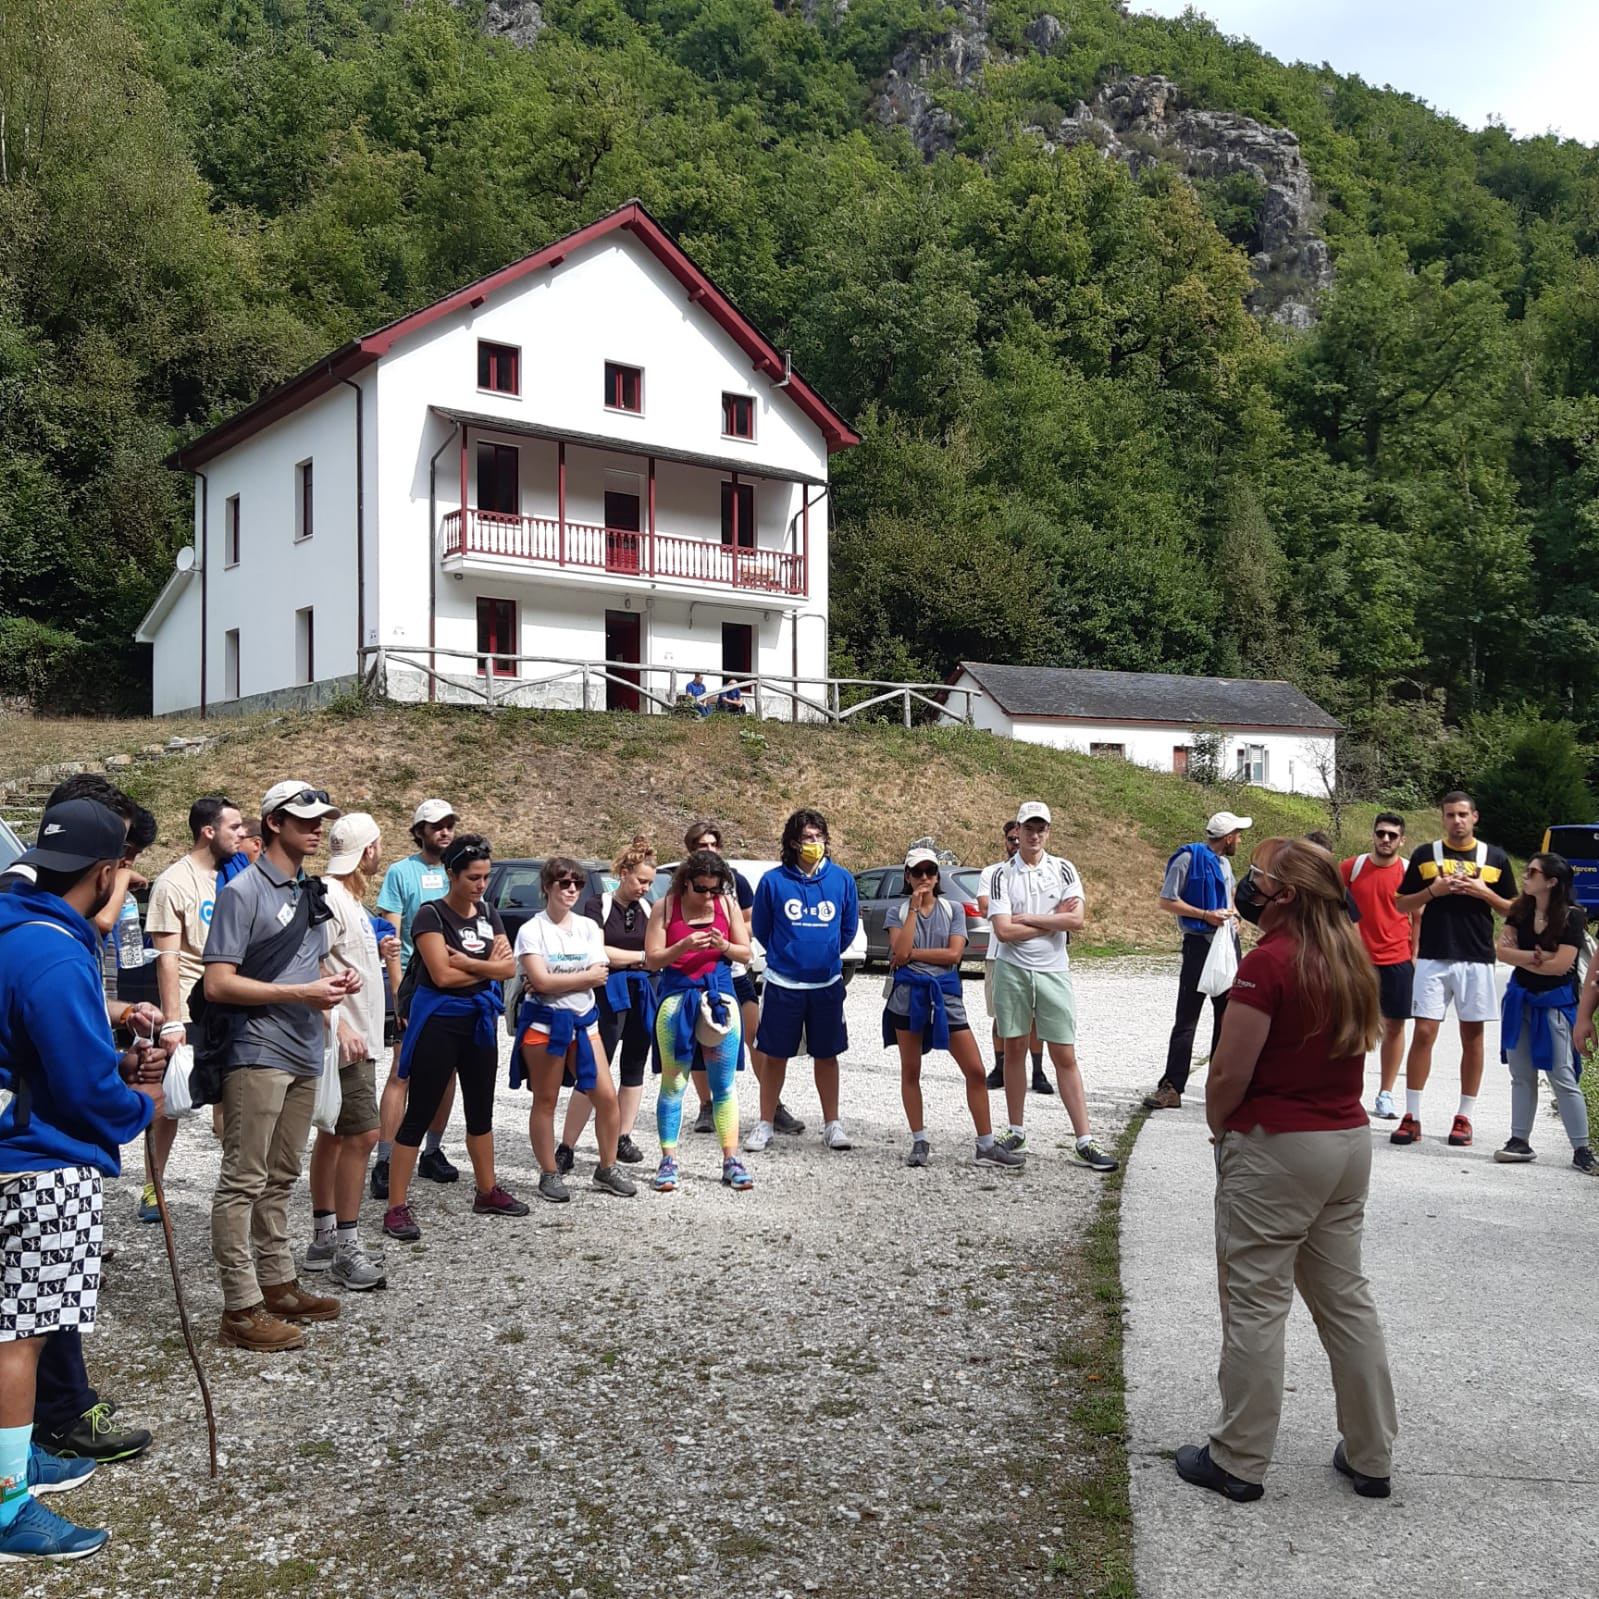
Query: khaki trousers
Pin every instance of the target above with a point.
(266, 1119)
(1289, 1213)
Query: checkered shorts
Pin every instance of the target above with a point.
(49, 1252)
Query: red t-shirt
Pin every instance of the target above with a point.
(1385, 930)
(1297, 1087)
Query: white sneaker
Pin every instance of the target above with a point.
(758, 1137)
(1384, 1110)
(834, 1136)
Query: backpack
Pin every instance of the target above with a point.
(1360, 865)
(1438, 854)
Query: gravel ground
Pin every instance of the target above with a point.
(844, 1381)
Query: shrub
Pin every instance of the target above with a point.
(1536, 776)
(54, 671)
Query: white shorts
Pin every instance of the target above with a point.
(1468, 984)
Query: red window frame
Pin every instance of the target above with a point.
(738, 408)
(310, 644)
(307, 526)
(499, 368)
(624, 387)
(496, 635)
(230, 531)
(745, 494)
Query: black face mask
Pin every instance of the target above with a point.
(1249, 901)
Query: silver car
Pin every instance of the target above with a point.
(884, 887)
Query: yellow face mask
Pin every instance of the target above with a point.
(812, 855)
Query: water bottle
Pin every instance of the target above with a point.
(130, 937)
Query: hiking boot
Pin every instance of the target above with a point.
(552, 1188)
(565, 1160)
(628, 1152)
(1517, 1152)
(1407, 1132)
(920, 1152)
(1091, 1155)
(94, 1436)
(380, 1179)
(435, 1165)
(609, 1180)
(356, 1271)
(758, 1137)
(1016, 1143)
(502, 1202)
(834, 1136)
(1459, 1134)
(1366, 1487)
(786, 1123)
(319, 1257)
(665, 1176)
(705, 1118)
(734, 1175)
(398, 1222)
(996, 1154)
(290, 1302)
(1583, 1160)
(1383, 1107)
(1165, 1097)
(254, 1329)
(1041, 1084)
(149, 1210)
(1196, 1466)
(50, 1474)
(39, 1534)
(996, 1078)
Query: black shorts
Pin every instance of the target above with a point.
(744, 989)
(1394, 983)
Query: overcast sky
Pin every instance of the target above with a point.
(1531, 63)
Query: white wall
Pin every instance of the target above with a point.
(175, 656)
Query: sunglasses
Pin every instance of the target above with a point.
(307, 796)
(566, 882)
(1387, 833)
(706, 888)
(925, 869)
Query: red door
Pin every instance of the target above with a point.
(622, 541)
(622, 644)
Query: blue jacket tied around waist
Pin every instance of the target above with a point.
(929, 1014)
(1521, 1006)
(717, 982)
(1205, 887)
(564, 1027)
(630, 985)
(428, 1002)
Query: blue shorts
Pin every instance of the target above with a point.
(802, 1021)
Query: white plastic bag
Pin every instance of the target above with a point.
(1221, 964)
(329, 1096)
(176, 1098)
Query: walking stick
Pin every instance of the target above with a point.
(177, 1288)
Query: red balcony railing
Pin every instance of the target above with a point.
(586, 546)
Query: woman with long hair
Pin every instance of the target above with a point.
(1293, 1162)
(450, 1034)
(625, 1001)
(696, 932)
(1538, 1015)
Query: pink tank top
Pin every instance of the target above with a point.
(698, 963)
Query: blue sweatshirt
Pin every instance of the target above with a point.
(54, 1031)
(805, 923)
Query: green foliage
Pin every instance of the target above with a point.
(1533, 773)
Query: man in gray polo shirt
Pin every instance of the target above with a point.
(269, 1081)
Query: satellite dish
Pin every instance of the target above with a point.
(185, 559)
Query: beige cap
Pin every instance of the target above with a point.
(348, 842)
(435, 811)
(1033, 811)
(916, 857)
(1224, 822)
(298, 799)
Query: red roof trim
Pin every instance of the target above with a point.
(359, 353)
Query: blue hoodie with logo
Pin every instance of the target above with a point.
(54, 1032)
(806, 923)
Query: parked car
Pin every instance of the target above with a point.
(1578, 842)
(516, 893)
(753, 872)
(883, 887)
(10, 846)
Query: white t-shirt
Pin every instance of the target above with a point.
(1021, 890)
(987, 886)
(352, 945)
(576, 943)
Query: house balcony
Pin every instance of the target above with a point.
(495, 541)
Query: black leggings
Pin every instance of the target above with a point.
(627, 1028)
(446, 1049)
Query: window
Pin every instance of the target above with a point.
(230, 531)
(738, 416)
(1119, 750)
(499, 367)
(496, 636)
(230, 664)
(304, 646)
(498, 485)
(624, 387)
(303, 524)
(738, 649)
(1253, 765)
(738, 500)
(1179, 759)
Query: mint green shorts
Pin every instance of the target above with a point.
(1024, 1000)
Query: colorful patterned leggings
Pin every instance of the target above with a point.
(720, 1065)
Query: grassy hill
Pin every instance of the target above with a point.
(540, 781)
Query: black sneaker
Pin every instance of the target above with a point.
(94, 1436)
(380, 1179)
(564, 1158)
(1583, 1160)
(627, 1151)
(996, 1078)
(1041, 1084)
(1517, 1151)
(1196, 1466)
(785, 1122)
(435, 1166)
(705, 1121)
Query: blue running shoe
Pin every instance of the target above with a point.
(40, 1534)
(665, 1175)
(50, 1474)
(734, 1175)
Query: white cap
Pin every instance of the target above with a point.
(348, 841)
(435, 811)
(298, 799)
(915, 857)
(1224, 822)
(1033, 811)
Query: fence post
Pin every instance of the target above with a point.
(585, 688)
(907, 707)
(757, 698)
(380, 673)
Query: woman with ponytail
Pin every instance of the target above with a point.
(1293, 1162)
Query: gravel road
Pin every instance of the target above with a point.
(841, 1382)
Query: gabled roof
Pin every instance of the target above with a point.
(361, 352)
(1066, 694)
(173, 588)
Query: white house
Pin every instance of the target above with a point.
(590, 455)
(1272, 735)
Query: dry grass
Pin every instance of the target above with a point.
(585, 783)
